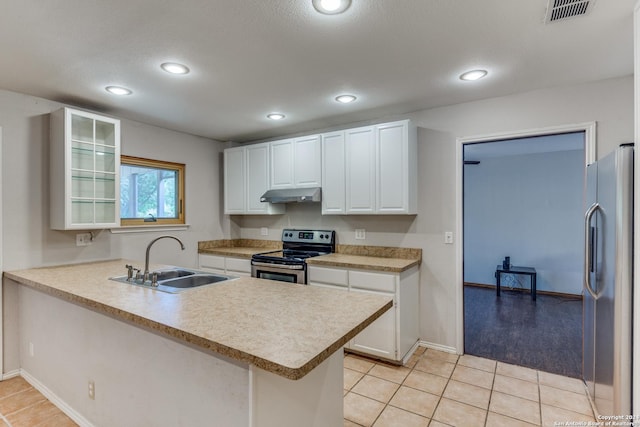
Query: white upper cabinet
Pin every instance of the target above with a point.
(84, 171)
(246, 179)
(234, 181)
(307, 160)
(361, 170)
(333, 174)
(282, 164)
(396, 181)
(258, 180)
(296, 163)
(370, 170)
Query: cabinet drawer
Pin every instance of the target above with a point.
(372, 281)
(332, 276)
(212, 262)
(238, 264)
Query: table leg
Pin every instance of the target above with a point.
(533, 286)
(497, 283)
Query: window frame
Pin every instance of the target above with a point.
(180, 188)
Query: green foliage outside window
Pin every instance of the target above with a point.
(151, 191)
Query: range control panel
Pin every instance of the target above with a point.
(308, 236)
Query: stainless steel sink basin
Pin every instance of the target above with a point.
(177, 280)
(193, 281)
(173, 273)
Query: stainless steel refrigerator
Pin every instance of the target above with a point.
(608, 282)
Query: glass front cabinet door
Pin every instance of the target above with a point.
(85, 169)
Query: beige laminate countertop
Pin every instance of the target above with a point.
(283, 328)
(377, 258)
(239, 252)
(392, 265)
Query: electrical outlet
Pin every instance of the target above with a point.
(264, 231)
(84, 239)
(92, 390)
(448, 237)
(31, 350)
(361, 234)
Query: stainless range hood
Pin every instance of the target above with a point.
(292, 195)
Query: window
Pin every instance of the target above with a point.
(151, 192)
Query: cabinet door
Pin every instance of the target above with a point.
(85, 170)
(213, 263)
(379, 338)
(360, 170)
(392, 180)
(307, 161)
(333, 174)
(257, 177)
(234, 181)
(282, 164)
(238, 267)
(337, 277)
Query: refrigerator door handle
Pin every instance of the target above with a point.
(589, 250)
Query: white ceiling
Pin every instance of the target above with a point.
(252, 57)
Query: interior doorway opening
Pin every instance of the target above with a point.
(523, 198)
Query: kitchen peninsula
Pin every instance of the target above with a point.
(245, 352)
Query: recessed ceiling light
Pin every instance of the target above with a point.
(118, 90)
(175, 68)
(473, 75)
(331, 7)
(345, 99)
(275, 116)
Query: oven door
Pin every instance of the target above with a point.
(281, 272)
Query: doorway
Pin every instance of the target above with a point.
(522, 197)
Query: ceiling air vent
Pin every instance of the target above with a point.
(564, 9)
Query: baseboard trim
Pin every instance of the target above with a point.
(538, 292)
(412, 350)
(439, 347)
(11, 374)
(57, 401)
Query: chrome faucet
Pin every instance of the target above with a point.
(145, 277)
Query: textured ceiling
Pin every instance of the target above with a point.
(250, 57)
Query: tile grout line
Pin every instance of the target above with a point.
(440, 397)
(493, 382)
(539, 395)
(6, 421)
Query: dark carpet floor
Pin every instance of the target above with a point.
(545, 334)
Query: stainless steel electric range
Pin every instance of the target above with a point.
(288, 264)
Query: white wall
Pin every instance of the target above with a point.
(528, 207)
(609, 102)
(141, 378)
(28, 241)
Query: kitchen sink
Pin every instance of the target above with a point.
(174, 273)
(176, 280)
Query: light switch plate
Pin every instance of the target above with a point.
(448, 237)
(264, 231)
(361, 234)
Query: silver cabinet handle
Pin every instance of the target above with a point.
(588, 249)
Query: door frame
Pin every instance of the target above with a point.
(1, 269)
(589, 129)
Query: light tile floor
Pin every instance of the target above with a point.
(21, 405)
(441, 389)
(433, 389)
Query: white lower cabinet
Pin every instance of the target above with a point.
(224, 265)
(394, 334)
(379, 338)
